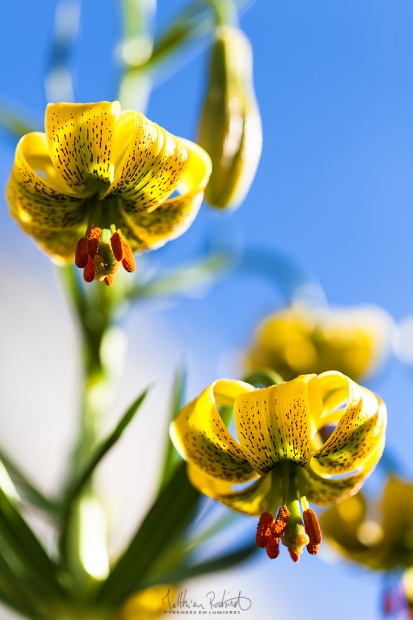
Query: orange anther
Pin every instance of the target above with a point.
(294, 556)
(89, 271)
(81, 253)
(312, 527)
(263, 529)
(273, 547)
(128, 261)
(118, 246)
(280, 524)
(313, 549)
(94, 236)
(109, 280)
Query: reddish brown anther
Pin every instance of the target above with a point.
(280, 524)
(117, 244)
(313, 549)
(94, 236)
(109, 280)
(273, 547)
(128, 261)
(89, 271)
(312, 527)
(263, 529)
(81, 254)
(294, 556)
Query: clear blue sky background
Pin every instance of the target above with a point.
(334, 190)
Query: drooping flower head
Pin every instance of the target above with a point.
(298, 340)
(283, 455)
(97, 184)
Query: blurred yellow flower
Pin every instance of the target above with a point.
(98, 182)
(378, 535)
(280, 451)
(230, 124)
(300, 340)
(148, 604)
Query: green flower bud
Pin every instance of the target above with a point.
(230, 125)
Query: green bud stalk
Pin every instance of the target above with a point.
(230, 125)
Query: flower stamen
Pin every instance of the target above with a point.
(81, 253)
(273, 547)
(94, 236)
(280, 524)
(313, 531)
(263, 530)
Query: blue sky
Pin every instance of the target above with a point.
(334, 191)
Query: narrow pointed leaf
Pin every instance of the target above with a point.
(178, 400)
(210, 566)
(19, 537)
(100, 451)
(27, 489)
(185, 279)
(165, 521)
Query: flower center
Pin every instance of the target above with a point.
(294, 529)
(101, 253)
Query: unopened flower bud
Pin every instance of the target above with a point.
(230, 126)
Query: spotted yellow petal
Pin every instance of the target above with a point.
(80, 141)
(325, 491)
(151, 168)
(201, 437)
(34, 191)
(252, 500)
(359, 432)
(274, 424)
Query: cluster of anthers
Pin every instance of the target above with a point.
(101, 253)
(294, 535)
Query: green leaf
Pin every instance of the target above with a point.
(185, 279)
(165, 521)
(178, 400)
(13, 122)
(20, 539)
(27, 489)
(100, 451)
(13, 592)
(263, 377)
(210, 566)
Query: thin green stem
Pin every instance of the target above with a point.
(226, 12)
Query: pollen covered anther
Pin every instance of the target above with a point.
(81, 253)
(294, 555)
(118, 246)
(263, 530)
(109, 280)
(280, 524)
(313, 549)
(312, 527)
(94, 236)
(89, 271)
(128, 261)
(273, 547)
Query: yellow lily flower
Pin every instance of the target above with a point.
(148, 604)
(280, 451)
(97, 185)
(378, 535)
(299, 340)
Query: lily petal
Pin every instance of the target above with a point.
(273, 424)
(201, 437)
(151, 169)
(80, 140)
(253, 500)
(359, 432)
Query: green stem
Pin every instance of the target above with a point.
(226, 12)
(83, 535)
(136, 48)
